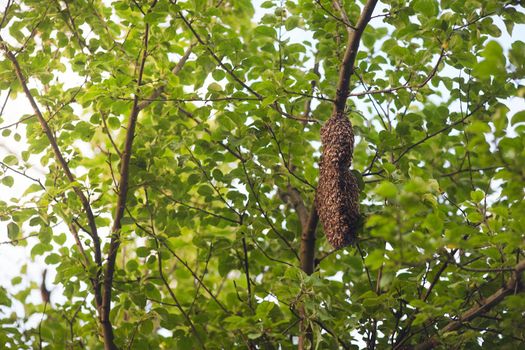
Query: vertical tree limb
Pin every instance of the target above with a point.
(307, 252)
(114, 244)
(307, 258)
(347, 66)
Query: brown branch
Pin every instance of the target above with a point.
(471, 170)
(76, 236)
(158, 91)
(313, 85)
(5, 101)
(195, 207)
(343, 344)
(247, 270)
(329, 13)
(210, 181)
(279, 110)
(307, 252)
(217, 59)
(22, 173)
(435, 281)
(236, 154)
(114, 245)
(6, 10)
(255, 243)
(512, 286)
(445, 128)
(55, 112)
(63, 164)
(15, 242)
(232, 74)
(308, 242)
(293, 196)
(265, 215)
(344, 16)
(33, 32)
(174, 297)
(108, 132)
(162, 240)
(307, 260)
(286, 163)
(406, 85)
(487, 270)
(195, 276)
(70, 23)
(204, 272)
(148, 100)
(44, 292)
(347, 66)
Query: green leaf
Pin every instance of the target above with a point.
(11, 160)
(265, 31)
(386, 189)
(214, 87)
(152, 292)
(475, 217)
(12, 231)
(39, 249)
(4, 298)
(8, 181)
(519, 117)
(267, 4)
(264, 308)
(113, 123)
(291, 22)
(428, 8)
(53, 259)
(477, 196)
(60, 239)
(375, 259)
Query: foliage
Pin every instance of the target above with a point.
(181, 144)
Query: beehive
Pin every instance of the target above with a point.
(337, 197)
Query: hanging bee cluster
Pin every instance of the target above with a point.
(337, 197)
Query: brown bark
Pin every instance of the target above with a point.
(347, 66)
(513, 286)
(307, 253)
(114, 244)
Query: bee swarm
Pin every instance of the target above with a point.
(337, 197)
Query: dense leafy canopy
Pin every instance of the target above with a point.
(181, 146)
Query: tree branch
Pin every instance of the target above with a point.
(174, 297)
(217, 59)
(347, 66)
(513, 286)
(247, 270)
(308, 242)
(293, 196)
(445, 128)
(64, 165)
(158, 91)
(109, 343)
(287, 164)
(264, 214)
(344, 16)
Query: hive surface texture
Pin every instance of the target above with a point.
(337, 197)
